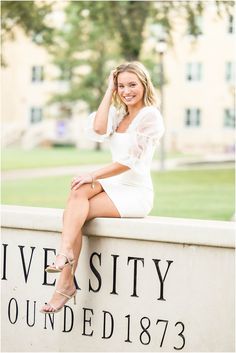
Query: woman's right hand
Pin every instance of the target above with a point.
(80, 180)
(111, 82)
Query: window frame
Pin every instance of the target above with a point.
(193, 71)
(37, 73)
(231, 24)
(192, 117)
(36, 114)
(229, 116)
(230, 71)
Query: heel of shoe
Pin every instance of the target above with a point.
(75, 299)
(72, 268)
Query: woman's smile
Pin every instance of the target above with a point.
(128, 98)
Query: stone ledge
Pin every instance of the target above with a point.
(157, 229)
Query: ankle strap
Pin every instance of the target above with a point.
(65, 295)
(67, 258)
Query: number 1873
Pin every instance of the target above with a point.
(162, 325)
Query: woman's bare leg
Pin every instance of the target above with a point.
(74, 217)
(98, 205)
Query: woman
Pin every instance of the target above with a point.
(133, 126)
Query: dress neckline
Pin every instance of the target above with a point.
(126, 131)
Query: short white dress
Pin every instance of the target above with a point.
(132, 190)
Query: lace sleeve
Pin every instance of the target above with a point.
(89, 130)
(144, 137)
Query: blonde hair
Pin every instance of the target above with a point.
(135, 67)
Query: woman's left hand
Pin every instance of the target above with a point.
(80, 180)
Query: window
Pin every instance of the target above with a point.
(193, 71)
(230, 71)
(229, 118)
(195, 26)
(37, 74)
(36, 114)
(230, 28)
(192, 117)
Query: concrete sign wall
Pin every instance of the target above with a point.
(153, 284)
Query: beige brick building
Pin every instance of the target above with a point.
(199, 94)
(199, 101)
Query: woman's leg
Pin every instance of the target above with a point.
(75, 215)
(65, 282)
(99, 205)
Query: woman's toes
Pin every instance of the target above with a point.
(47, 308)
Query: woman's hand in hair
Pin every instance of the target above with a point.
(111, 81)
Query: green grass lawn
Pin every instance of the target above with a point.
(13, 158)
(202, 194)
(17, 158)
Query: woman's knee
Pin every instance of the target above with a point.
(78, 194)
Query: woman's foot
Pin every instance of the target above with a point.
(59, 299)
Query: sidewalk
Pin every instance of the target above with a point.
(213, 162)
(48, 172)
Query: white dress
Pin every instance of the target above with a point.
(131, 191)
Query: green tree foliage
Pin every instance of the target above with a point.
(28, 15)
(100, 34)
(129, 22)
(105, 33)
(84, 42)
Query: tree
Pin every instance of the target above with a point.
(28, 15)
(128, 19)
(84, 54)
(83, 43)
(111, 31)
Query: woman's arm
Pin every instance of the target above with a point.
(101, 117)
(105, 172)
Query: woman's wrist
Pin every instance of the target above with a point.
(110, 90)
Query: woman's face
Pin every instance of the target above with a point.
(130, 89)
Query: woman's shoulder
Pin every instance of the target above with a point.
(149, 113)
(149, 116)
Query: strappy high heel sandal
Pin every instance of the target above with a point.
(56, 310)
(54, 269)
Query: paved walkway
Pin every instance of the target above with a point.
(47, 172)
(220, 161)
